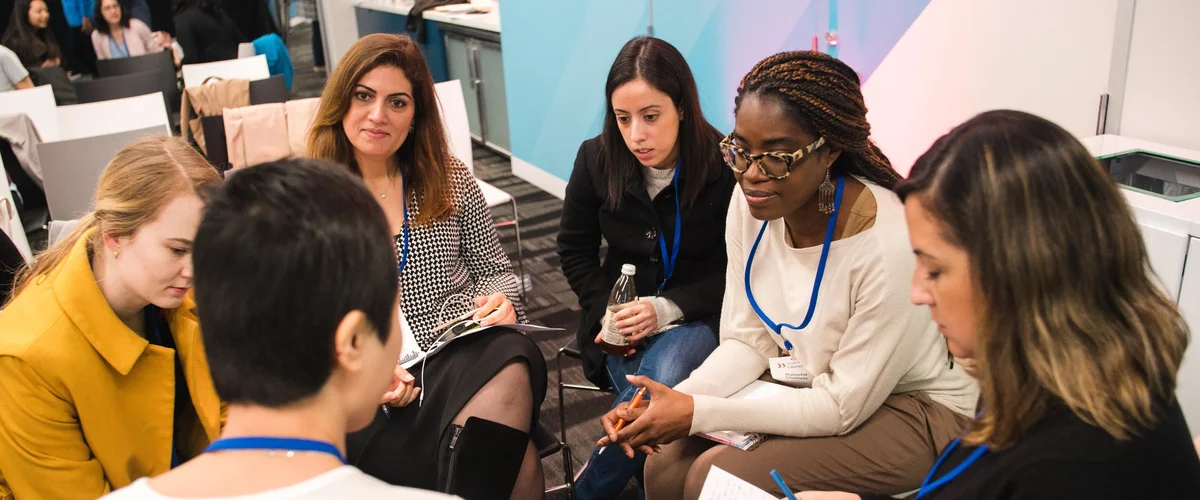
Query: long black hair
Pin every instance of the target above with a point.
(102, 25)
(662, 66)
(32, 45)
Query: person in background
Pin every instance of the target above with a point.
(307, 9)
(206, 32)
(13, 74)
(1077, 347)
(816, 298)
(102, 362)
(379, 118)
(28, 35)
(276, 237)
(655, 166)
(118, 35)
(82, 58)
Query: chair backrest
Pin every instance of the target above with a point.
(246, 49)
(454, 118)
(38, 103)
(110, 117)
(268, 90)
(161, 63)
(158, 61)
(72, 169)
(116, 87)
(59, 229)
(250, 68)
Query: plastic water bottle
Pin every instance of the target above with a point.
(623, 295)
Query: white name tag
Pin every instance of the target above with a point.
(788, 371)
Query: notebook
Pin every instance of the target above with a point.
(746, 441)
(721, 485)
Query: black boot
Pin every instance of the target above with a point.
(480, 460)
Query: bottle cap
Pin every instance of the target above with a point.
(628, 269)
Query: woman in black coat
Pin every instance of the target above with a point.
(653, 186)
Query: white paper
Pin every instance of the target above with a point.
(759, 389)
(411, 352)
(721, 485)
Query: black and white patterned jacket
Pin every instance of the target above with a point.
(459, 255)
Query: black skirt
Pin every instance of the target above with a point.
(402, 449)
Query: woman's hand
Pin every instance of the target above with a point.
(666, 418)
(637, 320)
(402, 390)
(495, 309)
(162, 39)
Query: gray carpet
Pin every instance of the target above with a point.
(549, 299)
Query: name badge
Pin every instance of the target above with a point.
(788, 371)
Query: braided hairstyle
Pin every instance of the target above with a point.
(823, 95)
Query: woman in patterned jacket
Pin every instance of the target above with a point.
(379, 117)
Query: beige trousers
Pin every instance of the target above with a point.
(889, 453)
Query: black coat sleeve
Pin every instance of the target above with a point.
(699, 287)
(579, 250)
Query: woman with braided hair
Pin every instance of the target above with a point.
(816, 300)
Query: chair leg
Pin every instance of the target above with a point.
(568, 471)
(520, 253)
(562, 407)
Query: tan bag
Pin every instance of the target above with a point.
(210, 99)
(256, 134)
(300, 115)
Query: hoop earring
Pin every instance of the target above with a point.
(825, 194)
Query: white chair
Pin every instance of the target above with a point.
(59, 229)
(38, 103)
(249, 68)
(110, 117)
(458, 132)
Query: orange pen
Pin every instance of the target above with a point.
(637, 400)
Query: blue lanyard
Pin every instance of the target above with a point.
(669, 261)
(812, 301)
(403, 229)
(275, 443)
(927, 486)
(124, 43)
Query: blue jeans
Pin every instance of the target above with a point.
(667, 358)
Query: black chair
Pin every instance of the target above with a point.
(31, 202)
(161, 63)
(118, 87)
(273, 89)
(571, 350)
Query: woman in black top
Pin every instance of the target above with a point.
(29, 35)
(654, 187)
(206, 32)
(1032, 264)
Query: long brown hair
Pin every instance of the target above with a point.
(425, 155)
(1070, 314)
(662, 66)
(134, 187)
(823, 96)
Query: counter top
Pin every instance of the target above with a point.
(486, 22)
(399, 7)
(489, 21)
(1182, 216)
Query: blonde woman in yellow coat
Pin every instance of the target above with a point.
(100, 332)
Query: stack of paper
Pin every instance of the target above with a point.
(747, 440)
(721, 485)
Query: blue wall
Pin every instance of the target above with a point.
(557, 55)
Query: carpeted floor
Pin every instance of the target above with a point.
(549, 299)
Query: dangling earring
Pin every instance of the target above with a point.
(116, 253)
(825, 194)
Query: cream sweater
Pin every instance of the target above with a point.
(865, 342)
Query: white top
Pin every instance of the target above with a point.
(342, 482)
(866, 340)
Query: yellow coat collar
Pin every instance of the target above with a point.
(81, 299)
